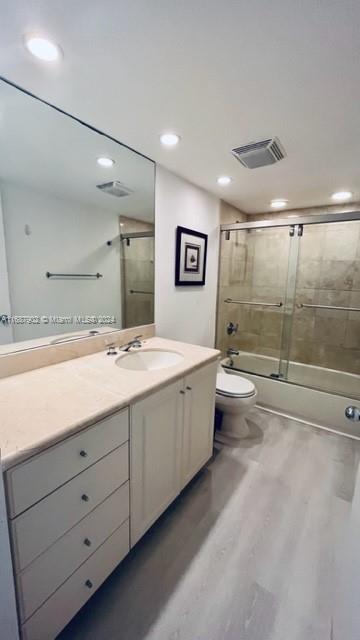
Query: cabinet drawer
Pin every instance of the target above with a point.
(31, 481)
(54, 566)
(54, 615)
(39, 527)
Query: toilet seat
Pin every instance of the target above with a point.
(232, 386)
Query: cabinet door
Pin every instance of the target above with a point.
(156, 436)
(200, 389)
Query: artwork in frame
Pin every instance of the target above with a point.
(190, 260)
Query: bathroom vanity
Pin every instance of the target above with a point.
(104, 451)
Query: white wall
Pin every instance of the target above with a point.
(63, 236)
(184, 313)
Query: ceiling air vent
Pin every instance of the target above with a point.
(115, 188)
(259, 154)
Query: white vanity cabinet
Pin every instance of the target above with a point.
(156, 436)
(198, 427)
(75, 509)
(69, 523)
(171, 439)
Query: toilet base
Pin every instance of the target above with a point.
(234, 426)
(228, 441)
(234, 409)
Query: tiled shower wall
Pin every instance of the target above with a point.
(253, 266)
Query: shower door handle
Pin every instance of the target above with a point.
(257, 304)
(326, 306)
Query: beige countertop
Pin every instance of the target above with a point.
(41, 407)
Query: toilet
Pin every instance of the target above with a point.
(235, 396)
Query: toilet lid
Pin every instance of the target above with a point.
(234, 386)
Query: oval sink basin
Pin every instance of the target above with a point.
(149, 360)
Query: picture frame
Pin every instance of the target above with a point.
(190, 258)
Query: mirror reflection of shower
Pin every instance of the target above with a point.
(137, 270)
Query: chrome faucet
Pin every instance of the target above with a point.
(134, 343)
(231, 352)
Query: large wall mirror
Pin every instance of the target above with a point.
(76, 227)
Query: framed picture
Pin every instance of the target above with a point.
(190, 260)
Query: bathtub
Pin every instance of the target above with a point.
(307, 375)
(317, 395)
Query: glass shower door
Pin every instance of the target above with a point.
(252, 298)
(324, 345)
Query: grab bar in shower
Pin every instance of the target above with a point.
(258, 304)
(326, 306)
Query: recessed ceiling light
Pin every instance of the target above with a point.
(341, 196)
(279, 203)
(43, 48)
(223, 181)
(169, 139)
(106, 162)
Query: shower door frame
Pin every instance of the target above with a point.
(295, 225)
(293, 221)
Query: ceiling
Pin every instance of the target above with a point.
(219, 74)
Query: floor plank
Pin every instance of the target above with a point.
(251, 550)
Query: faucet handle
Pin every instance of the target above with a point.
(231, 328)
(111, 350)
(135, 342)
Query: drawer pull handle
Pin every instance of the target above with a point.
(83, 453)
(85, 498)
(89, 584)
(182, 392)
(87, 542)
(189, 388)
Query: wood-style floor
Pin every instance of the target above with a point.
(250, 551)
